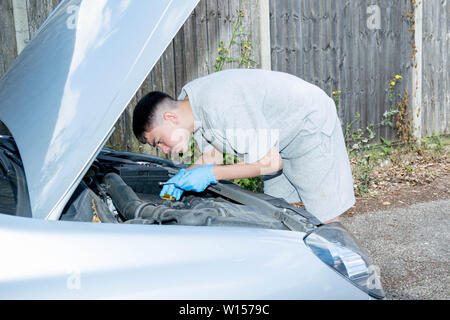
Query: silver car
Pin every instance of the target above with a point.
(80, 221)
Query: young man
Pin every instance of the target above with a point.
(286, 129)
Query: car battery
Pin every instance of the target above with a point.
(144, 179)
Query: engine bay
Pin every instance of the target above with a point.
(124, 187)
(119, 190)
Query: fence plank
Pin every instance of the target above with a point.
(8, 48)
(336, 50)
(38, 11)
(235, 51)
(324, 42)
(436, 96)
(202, 39)
(179, 62)
(224, 21)
(190, 46)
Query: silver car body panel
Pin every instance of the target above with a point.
(63, 94)
(70, 260)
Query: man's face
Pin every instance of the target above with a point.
(169, 137)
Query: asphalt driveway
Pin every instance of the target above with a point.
(411, 247)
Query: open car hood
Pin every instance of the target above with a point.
(62, 96)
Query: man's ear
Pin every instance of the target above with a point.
(172, 117)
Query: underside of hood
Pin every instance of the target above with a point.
(63, 94)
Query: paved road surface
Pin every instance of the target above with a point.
(411, 246)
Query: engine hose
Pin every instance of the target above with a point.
(195, 212)
(126, 200)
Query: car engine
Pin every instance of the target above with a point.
(118, 190)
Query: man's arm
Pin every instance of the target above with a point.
(271, 163)
(198, 179)
(211, 157)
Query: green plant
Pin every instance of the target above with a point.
(245, 60)
(252, 184)
(386, 151)
(238, 38)
(376, 155)
(386, 146)
(436, 142)
(337, 97)
(364, 170)
(359, 139)
(349, 126)
(386, 142)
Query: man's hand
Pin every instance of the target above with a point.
(197, 179)
(171, 189)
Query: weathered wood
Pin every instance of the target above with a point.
(168, 71)
(324, 42)
(328, 43)
(202, 39)
(190, 47)
(21, 24)
(38, 12)
(212, 32)
(435, 105)
(224, 21)
(263, 13)
(179, 62)
(235, 52)
(8, 48)
(250, 25)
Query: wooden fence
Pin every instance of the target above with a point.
(328, 43)
(435, 111)
(336, 44)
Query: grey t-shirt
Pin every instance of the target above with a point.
(247, 112)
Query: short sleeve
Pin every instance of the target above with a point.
(202, 144)
(182, 94)
(249, 133)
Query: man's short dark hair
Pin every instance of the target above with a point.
(144, 114)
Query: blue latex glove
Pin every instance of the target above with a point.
(197, 179)
(171, 189)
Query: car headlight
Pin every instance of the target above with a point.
(337, 248)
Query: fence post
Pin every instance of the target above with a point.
(264, 34)
(21, 24)
(417, 75)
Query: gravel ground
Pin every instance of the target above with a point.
(411, 247)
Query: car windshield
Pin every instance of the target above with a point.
(13, 189)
